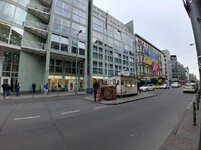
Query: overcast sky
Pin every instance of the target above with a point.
(164, 23)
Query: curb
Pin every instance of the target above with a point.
(123, 100)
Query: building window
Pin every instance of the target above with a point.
(16, 36)
(20, 16)
(4, 32)
(7, 11)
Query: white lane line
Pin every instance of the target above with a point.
(100, 107)
(69, 112)
(32, 117)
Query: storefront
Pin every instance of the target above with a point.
(64, 83)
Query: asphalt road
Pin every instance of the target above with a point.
(71, 123)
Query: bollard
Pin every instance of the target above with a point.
(199, 95)
(197, 98)
(121, 93)
(126, 95)
(194, 115)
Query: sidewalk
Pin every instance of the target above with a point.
(39, 95)
(185, 136)
(120, 100)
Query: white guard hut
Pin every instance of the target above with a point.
(125, 85)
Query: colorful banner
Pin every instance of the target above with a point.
(150, 56)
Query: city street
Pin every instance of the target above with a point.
(72, 123)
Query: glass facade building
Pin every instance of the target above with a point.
(59, 41)
(12, 16)
(112, 46)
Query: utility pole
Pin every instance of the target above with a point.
(193, 8)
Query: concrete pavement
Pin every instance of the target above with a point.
(185, 136)
(39, 95)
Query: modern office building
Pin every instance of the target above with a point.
(112, 46)
(62, 42)
(150, 60)
(39, 42)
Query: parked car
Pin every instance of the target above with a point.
(164, 86)
(143, 88)
(190, 87)
(157, 86)
(175, 85)
(149, 87)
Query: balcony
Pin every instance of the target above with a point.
(47, 3)
(36, 28)
(39, 11)
(33, 47)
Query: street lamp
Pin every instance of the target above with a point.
(76, 84)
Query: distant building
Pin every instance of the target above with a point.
(150, 60)
(173, 59)
(168, 66)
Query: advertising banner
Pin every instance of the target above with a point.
(150, 56)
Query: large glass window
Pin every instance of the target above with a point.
(7, 11)
(10, 64)
(23, 2)
(80, 5)
(59, 43)
(55, 42)
(4, 32)
(16, 36)
(20, 16)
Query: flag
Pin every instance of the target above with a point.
(106, 20)
(152, 66)
(157, 67)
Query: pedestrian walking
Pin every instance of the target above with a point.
(4, 87)
(138, 87)
(98, 95)
(45, 88)
(95, 88)
(17, 89)
(34, 88)
(7, 90)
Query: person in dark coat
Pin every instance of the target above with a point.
(7, 90)
(138, 87)
(34, 87)
(17, 89)
(4, 87)
(95, 88)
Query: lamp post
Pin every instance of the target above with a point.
(194, 12)
(76, 84)
(199, 65)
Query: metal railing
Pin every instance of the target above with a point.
(36, 25)
(33, 45)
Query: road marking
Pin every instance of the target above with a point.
(100, 107)
(69, 112)
(32, 117)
